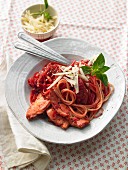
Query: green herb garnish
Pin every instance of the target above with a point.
(45, 4)
(47, 16)
(98, 69)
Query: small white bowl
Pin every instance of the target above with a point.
(42, 36)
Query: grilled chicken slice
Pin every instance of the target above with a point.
(79, 123)
(37, 107)
(57, 119)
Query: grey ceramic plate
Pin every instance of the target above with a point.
(17, 92)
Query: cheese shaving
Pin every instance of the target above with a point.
(38, 24)
(56, 81)
(76, 85)
(66, 68)
(81, 71)
(72, 82)
(71, 74)
(83, 77)
(63, 73)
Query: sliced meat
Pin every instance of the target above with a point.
(37, 107)
(57, 119)
(79, 123)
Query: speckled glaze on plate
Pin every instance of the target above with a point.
(18, 91)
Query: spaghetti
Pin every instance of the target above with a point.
(75, 98)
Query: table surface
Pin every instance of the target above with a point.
(101, 23)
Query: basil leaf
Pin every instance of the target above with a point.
(98, 69)
(47, 16)
(99, 62)
(98, 75)
(103, 78)
(45, 4)
(95, 72)
(104, 69)
(86, 69)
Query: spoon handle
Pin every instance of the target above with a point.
(48, 51)
(36, 52)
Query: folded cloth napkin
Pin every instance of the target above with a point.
(19, 147)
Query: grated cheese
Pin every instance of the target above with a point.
(63, 73)
(38, 24)
(72, 82)
(71, 74)
(83, 77)
(66, 68)
(81, 71)
(56, 81)
(76, 86)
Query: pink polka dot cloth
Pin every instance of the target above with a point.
(102, 23)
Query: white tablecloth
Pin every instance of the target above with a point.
(102, 23)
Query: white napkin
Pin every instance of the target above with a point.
(19, 147)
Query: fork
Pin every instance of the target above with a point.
(39, 49)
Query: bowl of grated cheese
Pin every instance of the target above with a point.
(40, 22)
